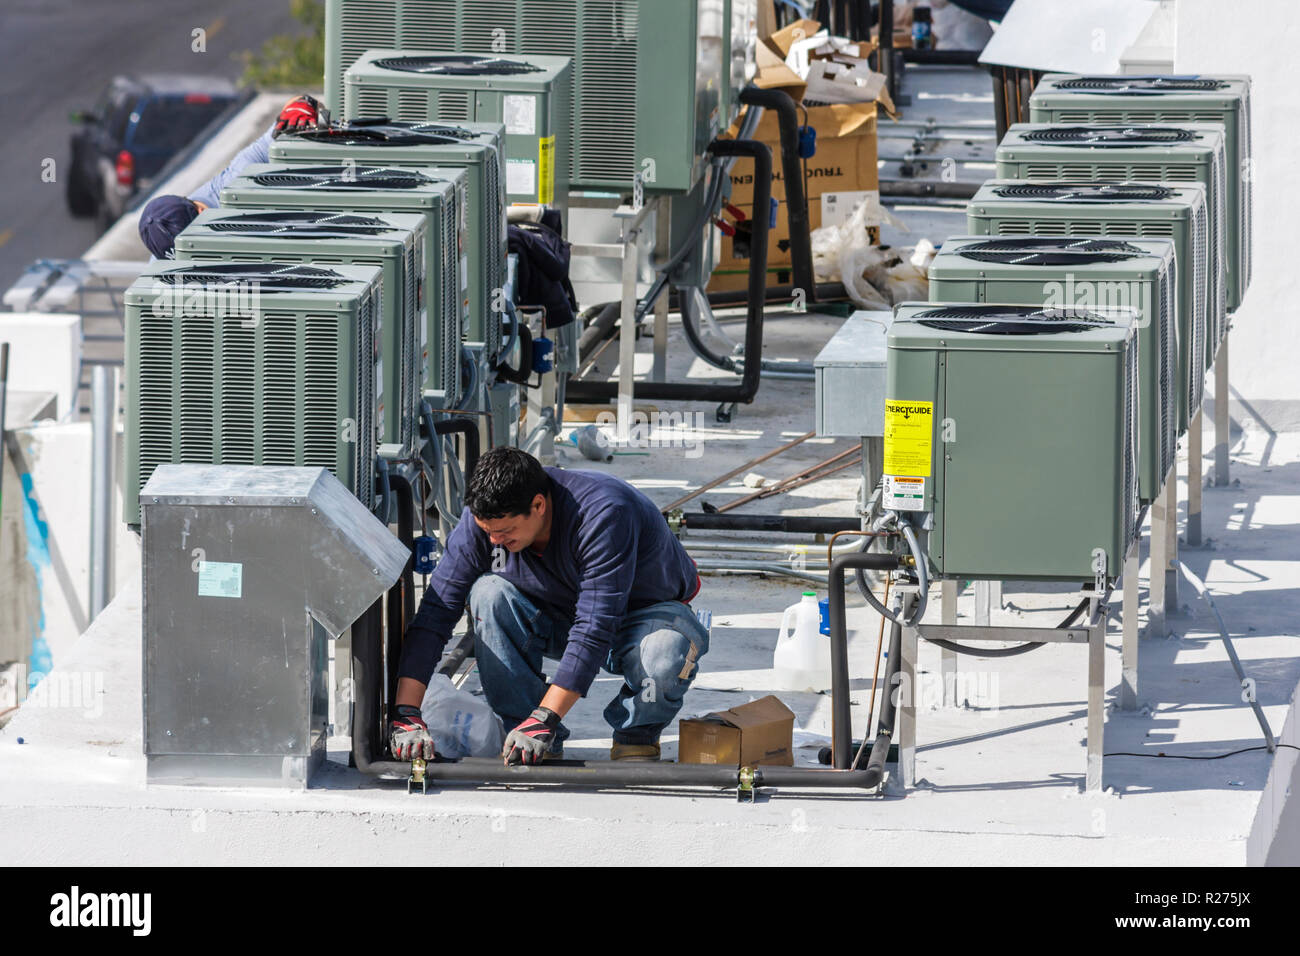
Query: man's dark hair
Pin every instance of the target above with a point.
(504, 483)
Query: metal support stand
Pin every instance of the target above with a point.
(627, 330)
(632, 219)
(663, 242)
(540, 415)
(1195, 478)
(988, 595)
(1096, 693)
(1163, 598)
(907, 689)
(103, 434)
(1222, 421)
(1128, 686)
(948, 659)
(1093, 634)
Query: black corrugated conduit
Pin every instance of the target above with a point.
(744, 392)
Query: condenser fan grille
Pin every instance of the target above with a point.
(266, 275)
(1008, 320)
(1141, 84)
(1098, 192)
(456, 65)
(387, 134)
(296, 218)
(1036, 251)
(343, 177)
(300, 224)
(437, 129)
(1111, 135)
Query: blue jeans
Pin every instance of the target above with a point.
(655, 650)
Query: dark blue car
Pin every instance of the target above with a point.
(138, 125)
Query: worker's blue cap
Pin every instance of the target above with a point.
(160, 221)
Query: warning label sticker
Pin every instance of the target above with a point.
(903, 493)
(521, 177)
(909, 429)
(546, 170)
(520, 114)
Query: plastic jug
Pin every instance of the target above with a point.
(802, 660)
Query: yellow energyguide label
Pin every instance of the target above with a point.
(909, 432)
(546, 170)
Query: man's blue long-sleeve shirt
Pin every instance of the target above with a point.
(610, 552)
(258, 151)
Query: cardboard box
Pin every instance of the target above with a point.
(845, 157)
(773, 74)
(845, 163)
(760, 732)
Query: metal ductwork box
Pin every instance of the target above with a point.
(476, 148)
(1085, 274)
(1191, 152)
(253, 364)
(248, 572)
(395, 243)
(1070, 98)
(529, 97)
(1013, 430)
(365, 190)
(1004, 207)
(654, 81)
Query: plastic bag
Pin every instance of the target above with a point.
(908, 280)
(844, 253)
(461, 724)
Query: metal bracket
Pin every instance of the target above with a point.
(1099, 570)
(417, 776)
(725, 411)
(638, 192)
(746, 788)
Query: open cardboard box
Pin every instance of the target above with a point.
(844, 167)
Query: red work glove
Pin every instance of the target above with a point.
(298, 114)
(529, 742)
(408, 734)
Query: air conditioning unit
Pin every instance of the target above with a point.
(1192, 152)
(365, 190)
(528, 96)
(1015, 428)
(253, 364)
(1068, 98)
(1122, 211)
(475, 148)
(395, 243)
(1085, 274)
(654, 81)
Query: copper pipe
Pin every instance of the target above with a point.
(735, 471)
(792, 485)
(784, 483)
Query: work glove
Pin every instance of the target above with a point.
(408, 734)
(529, 742)
(298, 114)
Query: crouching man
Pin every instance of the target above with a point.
(575, 566)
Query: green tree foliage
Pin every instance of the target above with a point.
(291, 62)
